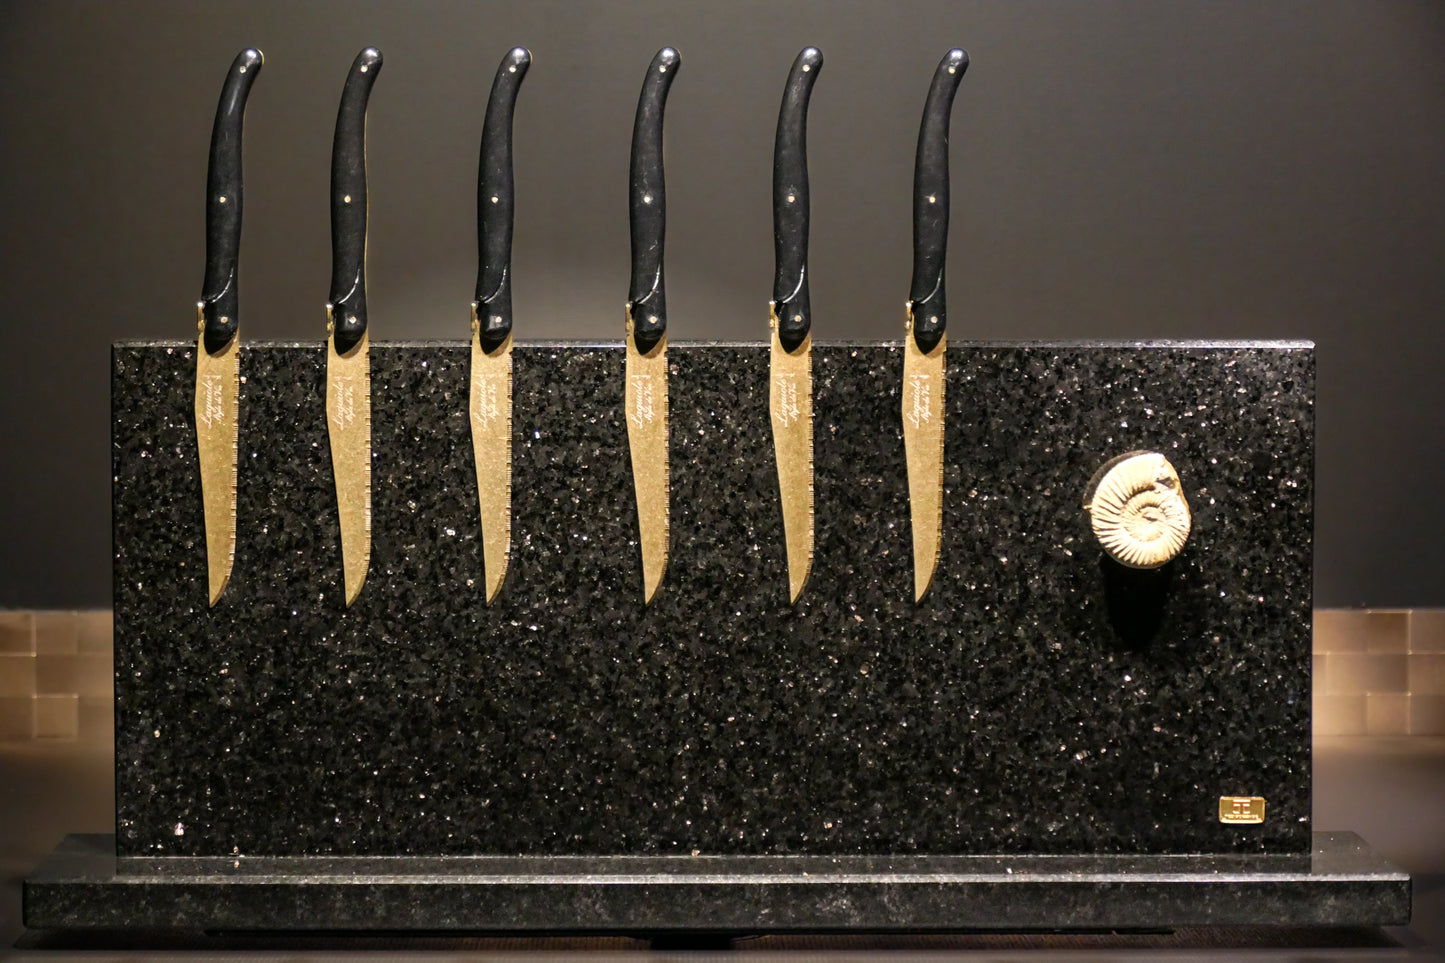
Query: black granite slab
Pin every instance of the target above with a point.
(1040, 700)
(1342, 882)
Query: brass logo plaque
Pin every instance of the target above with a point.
(1241, 810)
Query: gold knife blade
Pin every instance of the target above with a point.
(790, 403)
(218, 379)
(491, 416)
(646, 405)
(348, 422)
(923, 385)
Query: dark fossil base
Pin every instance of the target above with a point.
(1039, 700)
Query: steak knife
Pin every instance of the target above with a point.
(646, 389)
(790, 386)
(348, 366)
(926, 319)
(490, 402)
(218, 360)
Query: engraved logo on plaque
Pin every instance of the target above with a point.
(1241, 810)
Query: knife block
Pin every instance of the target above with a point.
(1041, 702)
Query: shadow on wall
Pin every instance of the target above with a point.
(591, 305)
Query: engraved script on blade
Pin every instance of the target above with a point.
(643, 408)
(345, 402)
(920, 410)
(212, 408)
(787, 409)
(486, 399)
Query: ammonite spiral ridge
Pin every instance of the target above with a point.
(1139, 513)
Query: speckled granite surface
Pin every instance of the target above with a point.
(1038, 701)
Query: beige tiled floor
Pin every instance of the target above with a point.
(1376, 672)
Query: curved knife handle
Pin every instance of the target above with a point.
(346, 308)
(647, 204)
(493, 306)
(930, 204)
(790, 203)
(220, 296)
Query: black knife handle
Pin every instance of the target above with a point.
(494, 203)
(220, 295)
(930, 204)
(347, 303)
(647, 204)
(790, 203)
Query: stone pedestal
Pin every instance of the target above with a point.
(1342, 882)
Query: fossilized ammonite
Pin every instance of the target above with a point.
(1138, 509)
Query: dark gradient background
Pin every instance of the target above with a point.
(1163, 169)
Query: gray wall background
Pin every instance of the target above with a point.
(1166, 169)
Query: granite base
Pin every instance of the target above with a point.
(1342, 882)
